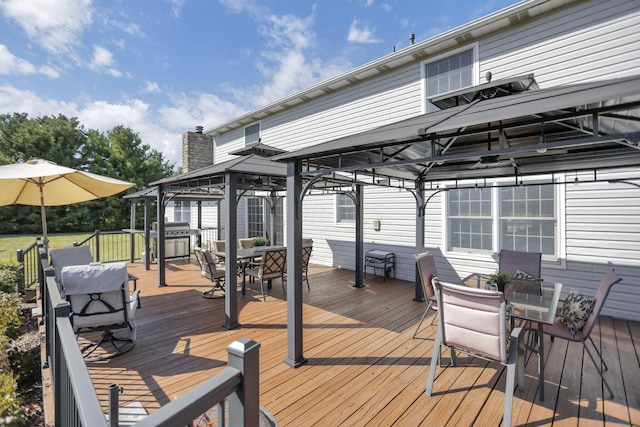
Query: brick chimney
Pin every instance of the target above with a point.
(197, 150)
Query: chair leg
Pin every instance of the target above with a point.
(434, 362)
(422, 319)
(508, 394)
(597, 367)
(264, 296)
(606, 368)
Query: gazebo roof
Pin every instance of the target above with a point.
(576, 127)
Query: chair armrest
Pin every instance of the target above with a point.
(133, 302)
(513, 344)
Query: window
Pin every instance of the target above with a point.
(528, 219)
(255, 218)
(470, 221)
(252, 134)
(182, 211)
(448, 74)
(524, 218)
(345, 210)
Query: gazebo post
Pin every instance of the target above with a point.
(420, 214)
(231, 252)
(162, 277)
(359, 237)
(147, 234)
(294, 265)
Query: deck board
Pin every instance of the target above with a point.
(363, 366)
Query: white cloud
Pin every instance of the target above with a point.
(56, 26)
(360, 33)
(386, 7)
(176, 7)
(151, 87)
(102, 61)
(12, 65)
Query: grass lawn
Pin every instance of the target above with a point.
(10, 243)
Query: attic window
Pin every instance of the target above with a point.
(252, 134)
(448, 74)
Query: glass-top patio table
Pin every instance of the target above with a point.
(244, 257)
(540, 309)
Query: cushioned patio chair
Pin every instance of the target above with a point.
(475, 322)
(208, 269)
(245, 243)
(427, 271)
(272, 265)
(578, 316)
(76, 255)
(100, 301)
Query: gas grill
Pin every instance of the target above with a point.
(177, 239)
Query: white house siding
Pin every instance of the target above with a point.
(586, 41)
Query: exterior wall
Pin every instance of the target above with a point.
(583, 41)
(590, 40)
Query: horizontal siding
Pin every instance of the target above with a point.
(586, 41)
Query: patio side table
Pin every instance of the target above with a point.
(380, 260)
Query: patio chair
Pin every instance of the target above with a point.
(306, 257)
(574, 323)
(307, 248)
(100, 302)
(272, 265)
(245, 243)
(475, 322)
(524, 270)
(208, 270)
(427, 271)
(77, 255)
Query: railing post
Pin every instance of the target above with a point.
(132, 246)
(114, 416)
(56, 363)
(244, 403)
(97, 245)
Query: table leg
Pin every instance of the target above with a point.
(541, 361)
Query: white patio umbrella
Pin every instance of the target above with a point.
(43, 183)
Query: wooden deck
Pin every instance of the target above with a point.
(363, 366)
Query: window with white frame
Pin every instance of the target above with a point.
(522, 218)
(448, 74)
(252, 134)
(345, 209)
(255, 218)
(182, 211)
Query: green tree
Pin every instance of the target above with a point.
(118, 153)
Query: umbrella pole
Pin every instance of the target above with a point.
(43, 215)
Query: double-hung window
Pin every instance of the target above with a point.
(255, 217)
(486, 220)
(182, 211)
(252, 134)
(449, 73)
(345, 210)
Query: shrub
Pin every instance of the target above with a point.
(10, 276)
(260, 241)
(10, 408)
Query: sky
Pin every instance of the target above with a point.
(162, 67)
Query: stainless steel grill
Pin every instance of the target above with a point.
(177, 239)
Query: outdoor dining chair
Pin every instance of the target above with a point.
(427, 271)
(99, 300)
(524, 270)
(575, 321)
(272, 265)
(209, 270)
(475, 322)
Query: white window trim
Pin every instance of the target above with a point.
(557, 262)
(475, 74)
(335, 215)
